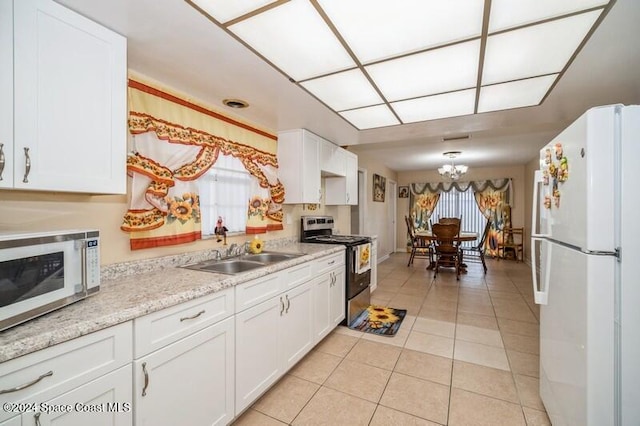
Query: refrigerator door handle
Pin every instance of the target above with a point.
(540, 296)
(537, 180)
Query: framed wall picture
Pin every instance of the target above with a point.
(379, 185)
(403, 192)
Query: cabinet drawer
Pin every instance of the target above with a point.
(296, 275)
(255, 291)
(325, 264)
(161, 328)
(60, 368)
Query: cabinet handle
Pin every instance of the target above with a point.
(36, 417)
(347, 197)
(288, 304)
(27, 165)
(26, 385)
(2, 160)
(193, 316)
(332, 262)
(281, 306)
(146, 379)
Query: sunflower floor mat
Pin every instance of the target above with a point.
(379, 320)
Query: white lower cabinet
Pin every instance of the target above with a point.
(103, 402)
(329, 302)
(92, 372)
(189, 382)
(270, 338)
(13, 421)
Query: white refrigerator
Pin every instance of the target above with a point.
(586, 268)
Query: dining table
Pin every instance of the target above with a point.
(463, 236)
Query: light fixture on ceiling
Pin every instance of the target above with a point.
(434, 60)
(235, 103)
(451, 171)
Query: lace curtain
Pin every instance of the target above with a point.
(175, 141)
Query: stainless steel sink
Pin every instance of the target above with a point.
(229, 267)
(269, 257)
(244, 263)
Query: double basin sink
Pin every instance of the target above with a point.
(242, 263)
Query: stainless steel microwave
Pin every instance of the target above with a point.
(41, 272)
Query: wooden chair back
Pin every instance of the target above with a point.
(446, 237)
(452, 221)
(485, 233)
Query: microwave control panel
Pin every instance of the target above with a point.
(93, 262)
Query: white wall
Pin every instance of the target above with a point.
(377, 221)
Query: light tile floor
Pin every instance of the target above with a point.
(466, 354)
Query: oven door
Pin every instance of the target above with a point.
(35, 279)
(358, 269)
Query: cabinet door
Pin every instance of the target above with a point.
(105, 401)
(310, 165)
(299, 160)
(6, 88)
(296, 325)
(351, 180)
(70, 80)
(189, 382)
(322, 287)
(13, 421)
(257, 365)
(337, 305)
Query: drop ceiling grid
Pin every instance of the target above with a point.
(383, 62)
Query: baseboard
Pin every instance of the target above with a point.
(383, 258)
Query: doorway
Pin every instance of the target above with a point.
(391, 215)
(358, 212)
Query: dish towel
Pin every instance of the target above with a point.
(363, 258)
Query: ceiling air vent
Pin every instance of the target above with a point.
(455, 138)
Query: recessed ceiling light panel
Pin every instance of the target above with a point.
(371, 117)
(377, 30)
(295, 38)
(535, 50)
(345, 90)
(508, 13)
(438, 106)
(515, 94)
(435, 71)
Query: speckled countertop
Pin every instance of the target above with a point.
(131, 290)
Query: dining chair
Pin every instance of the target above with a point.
(512, 241)
(452, 220)
(477, 251)
(447, 250)
(420, 247)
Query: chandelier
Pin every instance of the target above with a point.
(452, 171)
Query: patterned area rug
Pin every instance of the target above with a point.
(379, 320)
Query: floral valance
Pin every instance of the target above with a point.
(175, 141)
(500, 185)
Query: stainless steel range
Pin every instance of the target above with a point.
(319, 229)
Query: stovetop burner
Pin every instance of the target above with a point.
(337, 239)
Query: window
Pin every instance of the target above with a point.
(461, 204)
(225, 191)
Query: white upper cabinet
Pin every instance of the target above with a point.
(304, 158)
(299, 166)
(344, 190)
(69, 103)
(333, 161)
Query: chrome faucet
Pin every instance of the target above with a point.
(231, 251)
(217, 255)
